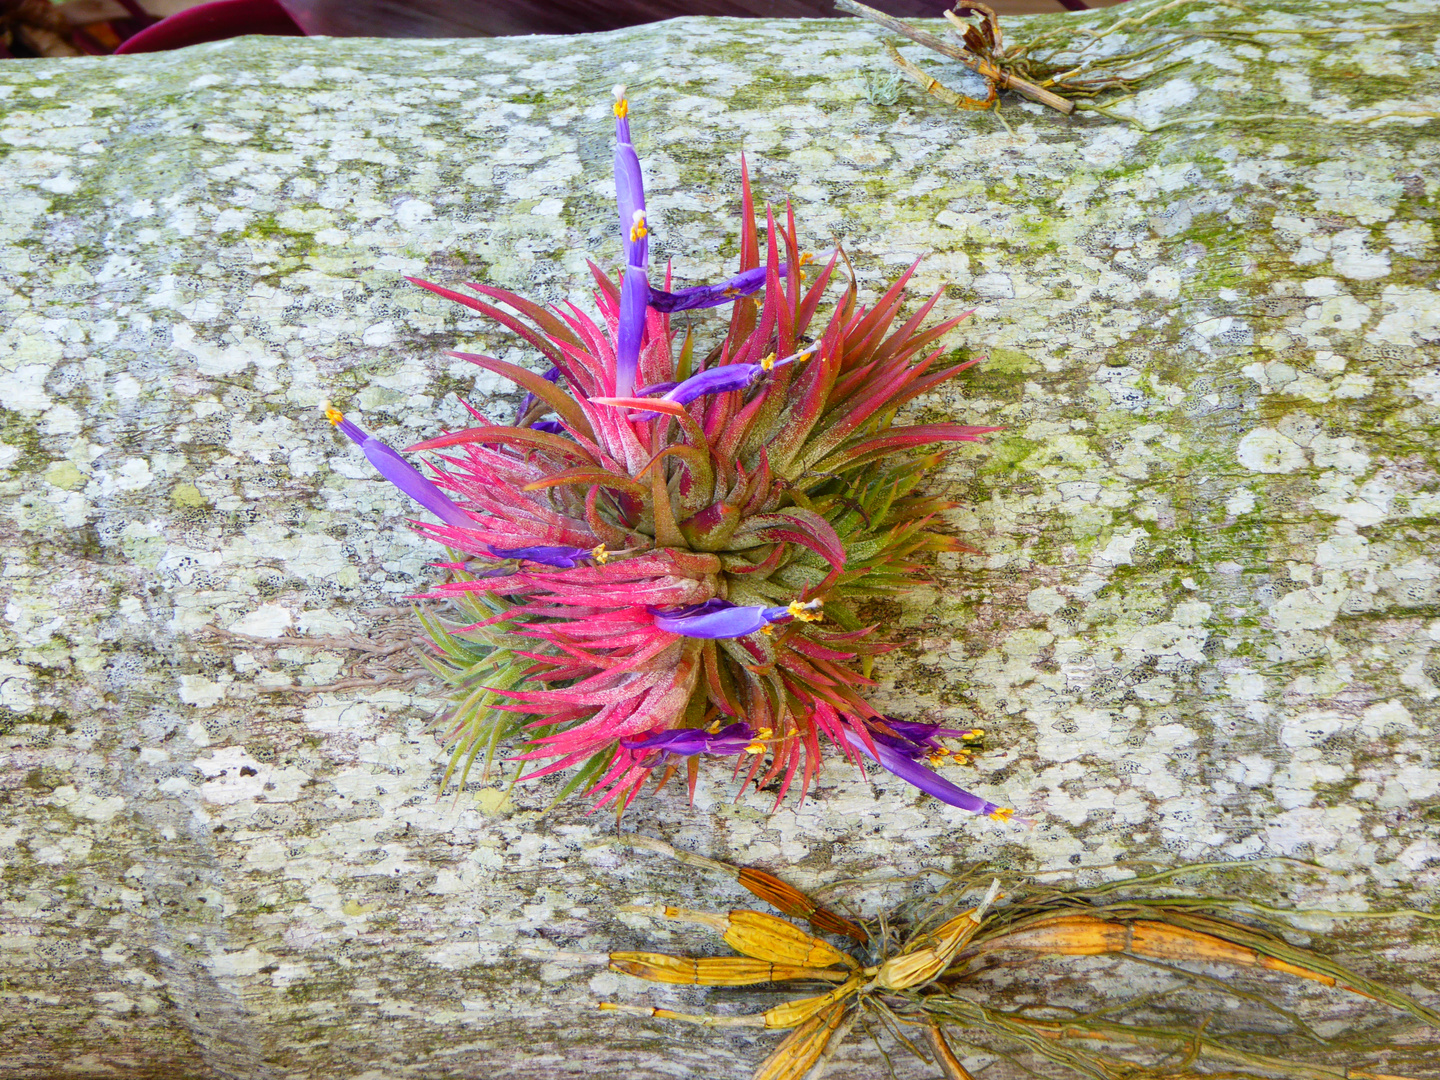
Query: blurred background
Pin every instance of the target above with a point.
(31, 28)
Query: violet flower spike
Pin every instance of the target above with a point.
(727, 377)
(716, 380)
(744, 283)
(635, 286)
(927, 780)
(916, 739)
(565, 558)
(400, 472)
(529, 401)
(707, 296)
(737, 738)
(721, 619)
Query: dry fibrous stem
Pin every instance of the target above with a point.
(1067, 69)
(981, 64)
(926, 978)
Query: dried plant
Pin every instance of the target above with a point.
(918, 973)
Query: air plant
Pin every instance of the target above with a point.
(921, 973)
(661, 556)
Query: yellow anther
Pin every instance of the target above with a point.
(756, 747)
(764, 733)
(599, 554)
(937, 757)
(768, 363)
(333, 414)
(973, 736)
(809, 611)
(806, 257)
(638, 229)
(713, 729)
(1001, 813)
(622, 107)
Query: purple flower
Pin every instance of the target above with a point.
(529, 400)
(401, 473)
(565, 558)
(721, 619)
(634, 233)
(716, 380)
(927, 780)
(705, 296)
(736, 738)
(916, 739)
(552, 427)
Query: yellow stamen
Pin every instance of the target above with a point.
(973, 736)
(713, 729)
(622, 107)
(599, 554)
(937, 757)
(768, 363)
(758, 746)
(334, 415)
(1001, 813)
(809, 611)
(638, 230)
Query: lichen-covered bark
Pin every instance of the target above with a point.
(1206, 625)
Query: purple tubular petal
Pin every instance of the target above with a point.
(529, 399)
(732, 739)
(552, 427)
(719, 380)
(717, 619)
(705, 296)
(927, 780)
(565, 558)
(629, 195)
(634, 296)
(407, 478)
(352, 432)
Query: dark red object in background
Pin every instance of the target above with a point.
(213, 22)
(494, 18)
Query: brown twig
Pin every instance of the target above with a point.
(944, 1056)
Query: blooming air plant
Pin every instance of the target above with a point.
(660, 559)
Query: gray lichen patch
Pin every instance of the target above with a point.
(1206, 623)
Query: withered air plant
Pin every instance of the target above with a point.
(1073, 66)
(922, 974)
(661, 556)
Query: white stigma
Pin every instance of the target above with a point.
(618, 90)
(638, 217)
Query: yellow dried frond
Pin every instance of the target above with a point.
(754, 933)
(803, 1046)
(714, 971)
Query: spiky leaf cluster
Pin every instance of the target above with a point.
(798, 487)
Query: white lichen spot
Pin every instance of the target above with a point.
(1312, 608)
(268, 621)
(1416, 314)
(203, 692)
(1351, 256)
(1163, 282)
(1265, 450)
(1241, 502)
